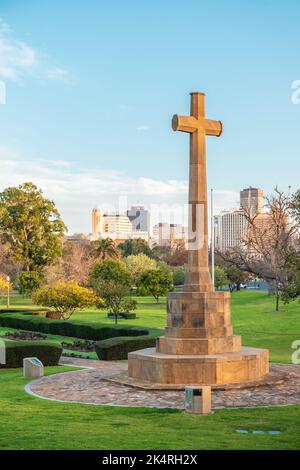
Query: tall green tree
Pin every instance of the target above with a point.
(135, 247)
(104, 249)
(111, 280)
(138, 264)
(221, 278)
(154, 282)
(31, 225)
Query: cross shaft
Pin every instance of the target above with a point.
(198, 276)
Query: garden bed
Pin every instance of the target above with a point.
(25, 336)
(82, 346)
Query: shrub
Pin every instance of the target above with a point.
(48, 352)
(75, 329)
(64, 297)
(118, 348)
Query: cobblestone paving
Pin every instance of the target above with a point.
(86, 386)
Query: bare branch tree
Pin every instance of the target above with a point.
(270, 239)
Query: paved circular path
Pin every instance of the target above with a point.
(86, 386)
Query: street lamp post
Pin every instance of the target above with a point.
(212, 241)
(8, 285)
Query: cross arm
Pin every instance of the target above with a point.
(184, 123)
(191, 124)
(212, 127)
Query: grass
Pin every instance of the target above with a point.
(31, 423)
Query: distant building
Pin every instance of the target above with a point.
(164, 233)
(79, 238)
(96, 219)
(118, 227)
(140, 218)
(252, 200)
(230, 229)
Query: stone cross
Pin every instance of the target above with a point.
(198, 126)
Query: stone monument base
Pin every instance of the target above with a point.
(246, 365)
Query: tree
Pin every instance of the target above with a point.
(292, 290)
(179, 273)
(138, 264)
(179, 253)
(4, 284)
(75, 264)
(77, 261)
(266, 248)
(104, 249)
(7, 264)
(154, 282)
(165, 268)
(162, 253)
(29, 281)
(111, 280)
(65, 298)
(234, 275)
(31, 226)
(135, 247)
(221, 278)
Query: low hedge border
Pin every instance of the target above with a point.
(118, 348)
(22, 310)
(75, 329)
(48, 352)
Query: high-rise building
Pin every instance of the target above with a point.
(252, 200)
(115, 226)
(96, 219)
(140, 218)
(230, 229)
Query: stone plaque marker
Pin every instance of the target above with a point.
(2, 353)
(198, 346)
(198, 400)
(32, 367)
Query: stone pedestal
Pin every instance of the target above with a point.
(198, 347)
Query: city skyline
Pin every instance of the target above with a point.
(139, 220)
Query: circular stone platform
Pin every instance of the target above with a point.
(90, 386)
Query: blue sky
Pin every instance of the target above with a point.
(91, 88)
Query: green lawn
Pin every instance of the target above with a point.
(31, 423)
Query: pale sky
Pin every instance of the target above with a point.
(91, 88)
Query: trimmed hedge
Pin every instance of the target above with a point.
(118, 348)
(48, 352)
(75, 329)
(126, 316)
(21, 310)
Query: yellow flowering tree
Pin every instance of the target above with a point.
(4, 285)
(64, 297)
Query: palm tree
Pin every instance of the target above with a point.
(105, 249)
